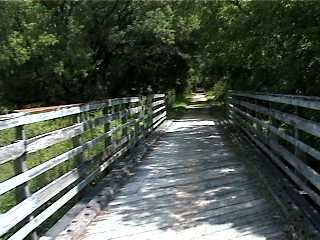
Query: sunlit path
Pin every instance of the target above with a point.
(192, 185)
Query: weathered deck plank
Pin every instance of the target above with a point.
(192, 185)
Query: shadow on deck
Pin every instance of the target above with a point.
(194, 184)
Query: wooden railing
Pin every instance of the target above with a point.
(287, 129)
(116, 126)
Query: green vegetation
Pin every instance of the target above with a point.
(177, 105)
(55, 52)
(7, 170)
(59, 52)
(268, 46)
(217, 92)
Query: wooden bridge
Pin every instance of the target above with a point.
(121, 170)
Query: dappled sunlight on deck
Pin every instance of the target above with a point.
(192, 185)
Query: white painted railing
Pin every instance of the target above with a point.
(122, 123)
(287, 129)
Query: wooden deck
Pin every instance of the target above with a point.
(192, 185)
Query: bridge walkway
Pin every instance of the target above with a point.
(193, 184)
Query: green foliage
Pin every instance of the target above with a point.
(262, 45)
(54, 52)
(171, 98)
(7, 170)
(218, 91)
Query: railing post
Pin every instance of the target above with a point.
(106, 126)
(258, 127)
(272, 137)
(112, 111)
(141, 128)
(130, 133)
(165, 106)
(144, 115)
(149, 112)
(297, 152)
(229, 110)
(296, 133)
(77, 140)
(20, 165)
(124, 120)
(136, 124)
(118, 109)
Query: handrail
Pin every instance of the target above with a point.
(296, 100)
(123, 122)
(275, 124)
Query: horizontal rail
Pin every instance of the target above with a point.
(160, 102)
(296, 142)
(46, 140)
(22, 210)
(11, 151)
(301, 101)
(28, 118)
(301, 145)
(247, 112)
(159, 109)
(24, 231)
(160, 95)
(158, 117)
(263, 145)
(156, 124)
(43, 141)
(44, 167)
(301, 123)
(132, 119)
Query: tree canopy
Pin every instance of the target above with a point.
(54, 52)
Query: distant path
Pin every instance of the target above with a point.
(192, 185)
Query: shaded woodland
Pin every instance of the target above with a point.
(57, 52)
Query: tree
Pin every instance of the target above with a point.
(63, 51)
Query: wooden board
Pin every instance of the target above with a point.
(129, 109)
(187, 188)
